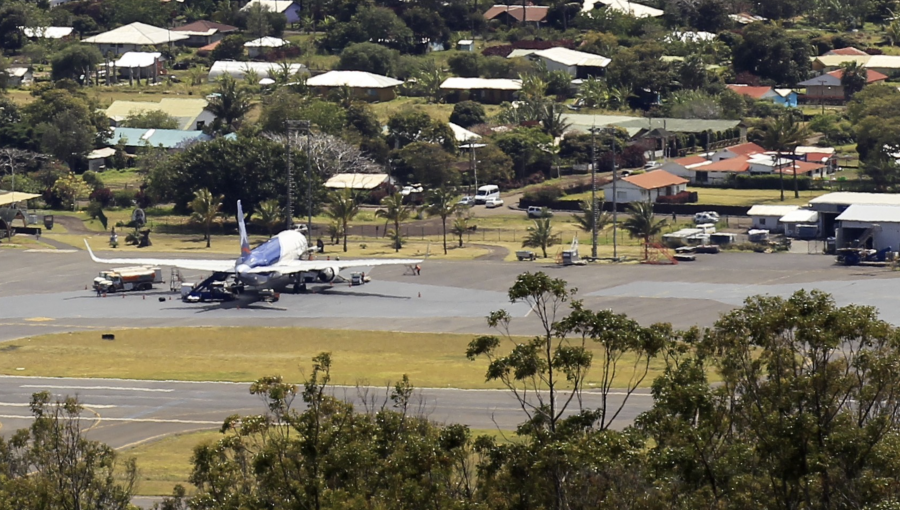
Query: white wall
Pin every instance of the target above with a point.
(625, 193)
(888, 236)
(769, 223)
(556, 66)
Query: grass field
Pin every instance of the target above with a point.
(750, 197)
(166, 462)
(237, 354)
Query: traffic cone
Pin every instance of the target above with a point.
(143, 297)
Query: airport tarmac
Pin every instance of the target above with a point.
(45, 292)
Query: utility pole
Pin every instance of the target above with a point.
(594, 211)
(615, 171)
(292, 127)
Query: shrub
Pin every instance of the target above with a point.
(102, 196)
(125, 197)
(544, 194)
(92, 179)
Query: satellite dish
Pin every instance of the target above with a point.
(138, 217)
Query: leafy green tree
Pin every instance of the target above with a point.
(257, 21)
(231, 47)
(123, 12)
(465, 63)
(151, 119)
(369, 57)
(442, 203)
(206, 209)
(411, 126)
(344, 206)
(593, 93)
(370, 23)
(67, 137)
(68, 189)
(426, 163)
(525, 147)
(75, 61)
(269, 215)
(772, 53)
(285, 104)
(494, 165)
(468, 114)
(229, 104)
(540, 235)
(883, 171)
(396, 212)
(642, 225)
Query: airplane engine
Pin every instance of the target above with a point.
(326, 275)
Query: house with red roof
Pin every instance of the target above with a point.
(204, 33)
(827, 87)
(849, 50)
(510, 14)
(784, 97)
(744, 149)
(645, 187)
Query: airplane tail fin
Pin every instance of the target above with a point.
(242, 228)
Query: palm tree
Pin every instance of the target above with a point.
(229, 104)
(781, 135)
(461, 225)
(585, 220)
(642, 224)
(343, 96)
(206, 209)
(552, 121)
(196, 75)
(540, 235)
(429, 82)
(251, 76)
(397, 212)
(443, 204)
(619, 96)
(269, 215)
(892, 33)
(594, 93)
(533, 87)
(344, 207)
(853, 78)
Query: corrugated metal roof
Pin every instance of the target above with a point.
(167, 138)
(457, 83)
(800, 216)
(237, 69)
(137, 59)
(11, 197)
(462, 134)
(654, 179)
(183, 110)
(855, 198)
(266, 42)
(772, 210)
(568, 57)
(137, 33)
(625, 6)
(273, 5)
(354, 79)
(868, 213)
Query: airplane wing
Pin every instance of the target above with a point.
(296, 266)
(214, 266)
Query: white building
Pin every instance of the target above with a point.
(831, 205)
(133, 37)
(623, 6)
(19, 76)
(257, 46)
(239, 70)
(768, 217)
(646, 187)
(578, 64)
(803, 223)
(365, 182)
(47, 32)
(138, 64)
(876, 226)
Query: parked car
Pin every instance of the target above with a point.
(466, 201)
(650, 165)
(415, 188)
(493, 202)
(538, 212)
(706, 217)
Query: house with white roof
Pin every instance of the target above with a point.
(802, 223)
(768, 217)
(288, 8)
(137, 64)
(875, 226)
(133, 37)
(366, 182)
(578, 64)
(624, 6)
(258, 46)
(239, 70)
(367, 86)
(19, 76)
(484, 90)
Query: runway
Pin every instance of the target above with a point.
(124, 413)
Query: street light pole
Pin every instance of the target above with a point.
(594, 211)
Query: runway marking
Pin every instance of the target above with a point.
(131, 420)
(115, 388)
(95, 406)
(39, 319)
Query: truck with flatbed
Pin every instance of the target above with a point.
(124, 279)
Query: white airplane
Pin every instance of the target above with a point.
(279, 261)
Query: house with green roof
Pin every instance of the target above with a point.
(191, 114)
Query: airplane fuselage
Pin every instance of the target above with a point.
(286, 245)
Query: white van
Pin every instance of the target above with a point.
(485, 192)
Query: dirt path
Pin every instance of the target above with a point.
(73, 225)
(497, 253)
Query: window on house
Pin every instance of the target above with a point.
(762, 221)
(201, 124)
(621, 195)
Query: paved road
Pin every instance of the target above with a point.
(123, 413)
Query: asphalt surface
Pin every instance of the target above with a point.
(45, 293)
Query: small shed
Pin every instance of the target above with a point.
(258, 46)
(466, 45)
(768, 217)
(802, 223)
(873, 226)
(97, 158)
(19, 76)
(139, 64)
